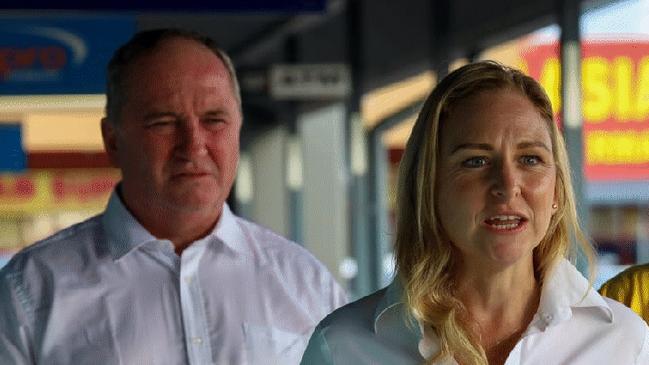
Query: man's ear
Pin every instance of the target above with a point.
(108, 135)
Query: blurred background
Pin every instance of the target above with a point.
(330, 93)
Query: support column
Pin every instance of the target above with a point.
(293, 155)
(381, 232)
(361, 246)
(569, 13)
(325, 199)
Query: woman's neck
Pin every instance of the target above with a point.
(500, 305)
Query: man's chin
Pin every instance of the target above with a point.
(196, 196)
(196, 202)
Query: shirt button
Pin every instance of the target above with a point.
(188, 280)
(197, 340)
(547, 317)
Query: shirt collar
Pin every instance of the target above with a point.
(392, 297)
(123, 231)
(390, 314)
(228, 230)
(565, 289)
(393, 321)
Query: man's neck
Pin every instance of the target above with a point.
(181, 227)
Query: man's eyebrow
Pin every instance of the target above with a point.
(215, 112)
(155, 115)
(209, 113)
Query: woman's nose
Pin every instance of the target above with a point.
(505, 181)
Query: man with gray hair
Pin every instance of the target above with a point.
(167, 274)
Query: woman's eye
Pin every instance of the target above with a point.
(474, 162)
(531, 160)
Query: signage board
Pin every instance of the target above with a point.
(41, 191)
(59, 55)
(615, 103)
(309, 81)
(12, 155)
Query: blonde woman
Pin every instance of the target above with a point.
(484, 220)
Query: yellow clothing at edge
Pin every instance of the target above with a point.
(631, 287)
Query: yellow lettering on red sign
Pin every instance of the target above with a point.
(595, 91)
(617, 147)
(611, 89)
(615, 102)
(642, 95)
(622, 89)
(550, 80)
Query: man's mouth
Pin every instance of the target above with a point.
(190, 174)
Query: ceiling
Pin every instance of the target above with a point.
(382, 41)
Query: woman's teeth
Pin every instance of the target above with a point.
(504, 221)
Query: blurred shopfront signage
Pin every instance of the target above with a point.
(615, 105)
(59, 55)
(221, 5)
(42, 191)
(12, 155)
(309, 81)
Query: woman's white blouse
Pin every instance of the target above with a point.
(568, 328)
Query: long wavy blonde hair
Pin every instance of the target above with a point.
(425, 260)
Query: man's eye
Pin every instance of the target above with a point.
(161, 126)
(474, 162)
(531, 160)
(214, 123)
(160, 123)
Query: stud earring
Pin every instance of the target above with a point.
(555, 206)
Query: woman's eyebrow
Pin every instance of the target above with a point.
(529, 144)
(472, 146)
(488, 147)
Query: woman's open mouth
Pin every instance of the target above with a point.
(505, 223)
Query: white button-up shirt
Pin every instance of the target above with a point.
(106, 291)
(569, 328)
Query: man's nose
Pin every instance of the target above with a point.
(505, 181)
(192, 139)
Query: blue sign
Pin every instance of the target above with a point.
(188, 5)
(59, 55)
(12, 155)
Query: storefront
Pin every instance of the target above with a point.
(615, 115)
(36, 203)
(615, 110)
(53, 172)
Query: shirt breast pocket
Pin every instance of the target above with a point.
(271, 345)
